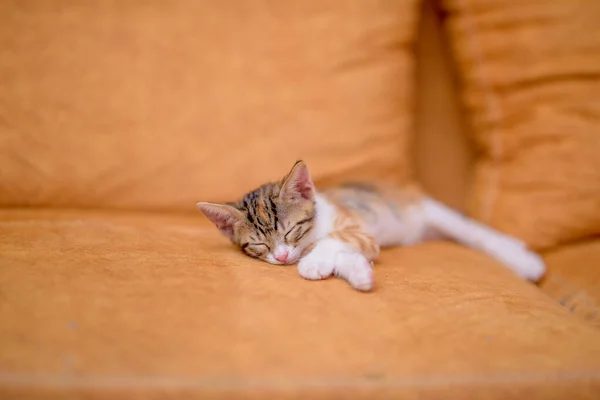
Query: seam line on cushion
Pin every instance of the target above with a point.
(576, 300)
(492, 109)
(30, 381)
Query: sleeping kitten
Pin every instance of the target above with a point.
(339, 231)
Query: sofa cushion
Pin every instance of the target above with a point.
(573, 278)
(106, 302)
(157, 105)
(531, 78)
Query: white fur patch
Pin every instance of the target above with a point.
(324, 219)
(356, 269)
(321, 261)
(332, 256)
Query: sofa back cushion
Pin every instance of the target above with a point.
(531, 78)
(156, 105)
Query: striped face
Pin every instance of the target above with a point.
(272, 223)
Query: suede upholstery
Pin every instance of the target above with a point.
(116, 117)
(119, 301)
(531, 75)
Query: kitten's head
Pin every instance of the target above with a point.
(271, 223)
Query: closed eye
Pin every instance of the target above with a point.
(296, 232)
(255, 249)
(300, 235)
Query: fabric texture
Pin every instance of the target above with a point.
(156, 105)
(108, 301)
(573, 279)
(531, 77)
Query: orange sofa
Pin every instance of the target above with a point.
(116, 117)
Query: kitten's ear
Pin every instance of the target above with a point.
(222, 215)
(297, 184)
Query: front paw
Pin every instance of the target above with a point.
(313, 267)
(362, 279)
(357, 270)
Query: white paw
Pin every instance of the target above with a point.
(362, 279)
(332, 256)
(527, 264)
(521, 260)
(356, 269)
(318, 264)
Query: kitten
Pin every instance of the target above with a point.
(339, 231)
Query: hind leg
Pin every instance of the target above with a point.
(509, 250)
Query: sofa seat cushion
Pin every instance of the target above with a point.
(573, 278)
(106, 301)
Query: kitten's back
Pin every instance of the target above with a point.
(389, 213)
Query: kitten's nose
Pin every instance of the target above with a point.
(282, 257)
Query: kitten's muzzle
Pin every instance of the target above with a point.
(282, 257)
